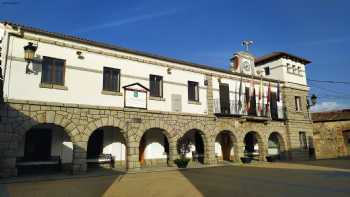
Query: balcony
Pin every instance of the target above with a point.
(254, 115)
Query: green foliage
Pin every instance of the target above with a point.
(182, 162)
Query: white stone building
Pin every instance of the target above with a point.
(78, 102)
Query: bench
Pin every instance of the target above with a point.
(28, 163)
(102, 159)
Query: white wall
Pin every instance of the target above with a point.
(155, 149)
(279, 70)
(114, 143)
(83, 78)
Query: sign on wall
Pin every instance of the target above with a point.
(135, 96)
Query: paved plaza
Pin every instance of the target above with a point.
(311, 178)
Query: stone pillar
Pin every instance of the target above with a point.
(209, 158)
(8, 147)
(210, 95)
(173, 154)
(133, 162)
(79, 157)
(262, 151)
(240, 151)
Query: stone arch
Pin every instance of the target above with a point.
(282, 146)
(233, 139)
(205, 153)
(107, 141)
(248, 146)
(106, 122)
(49, 117)
(166, 129)
(156, 143)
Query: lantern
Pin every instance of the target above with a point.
(29, 52)
(313, 100)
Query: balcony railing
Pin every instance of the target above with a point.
(236, 110)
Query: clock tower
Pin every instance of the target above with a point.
(243, 62)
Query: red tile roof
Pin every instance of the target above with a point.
(340, 115)
(277, 55)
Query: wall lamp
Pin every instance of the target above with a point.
(80, 55)
(313, 101)
(29, 53)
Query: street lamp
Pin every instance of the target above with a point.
(29, 52)
(313, 101)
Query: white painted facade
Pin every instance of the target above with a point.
(287, 70)
(83, 82)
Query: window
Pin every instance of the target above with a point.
(297, 103)
(53, 71)
(303, 140)
(193, 91)
(267, 70)
(111, 79)
(156, 85)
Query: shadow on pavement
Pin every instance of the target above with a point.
(341, 163)
(252, 181)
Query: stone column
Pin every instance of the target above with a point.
(240, 151)
(133, 162)
(173, 154)
(79, 157)
(8, 147)
(209, 158)
(262, 151)
(210, 95)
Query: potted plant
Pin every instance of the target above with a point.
(269, 158)
(246, 159)
(183, 146)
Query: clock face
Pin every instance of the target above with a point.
(246, 66)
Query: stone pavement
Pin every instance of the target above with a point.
(259, 179)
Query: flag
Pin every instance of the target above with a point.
(268, 99)
(240, 95)
(260, 96)
(278, 91)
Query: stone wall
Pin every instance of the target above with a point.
(79, 121)
(297, 121)
(329, 139)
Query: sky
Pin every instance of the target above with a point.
(209, 32)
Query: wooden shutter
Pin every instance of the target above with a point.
(224, 98)
(273, 106)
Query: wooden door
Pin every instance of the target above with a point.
(38, 145)
(224, 98)
(273, 106)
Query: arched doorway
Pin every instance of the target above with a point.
(346, 136)
(253, 146)
(276, 147)
(106, 148)
(44, 148)
(225, 149)
(191, 145)
(154, 148)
